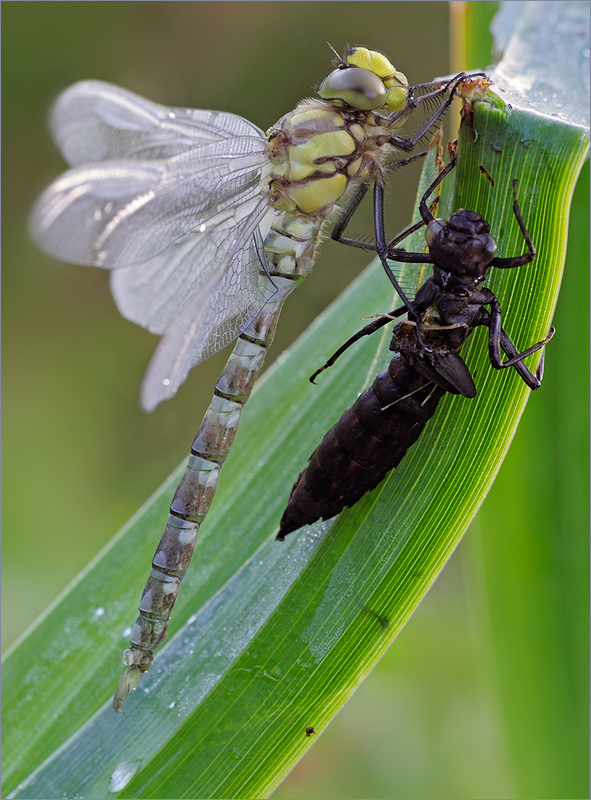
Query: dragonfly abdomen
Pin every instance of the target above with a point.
(369, 440)
(289, 249)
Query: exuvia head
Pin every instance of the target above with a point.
(365, 80)
(463, 245)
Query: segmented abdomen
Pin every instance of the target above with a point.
(369, 440)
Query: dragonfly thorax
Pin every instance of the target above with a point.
(316, 150)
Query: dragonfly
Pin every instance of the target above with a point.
(208, 223)
(373, 436)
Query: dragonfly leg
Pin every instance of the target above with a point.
(412, 103)
(353, 204)
(517, 261)
(451, 86)
(535, 381)
(345, 217)
(367, 330)
(427, 217)
(382, 249)
(424, 210)
(498, 338)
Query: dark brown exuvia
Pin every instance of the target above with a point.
(374, 434)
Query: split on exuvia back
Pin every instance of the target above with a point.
(208, 224)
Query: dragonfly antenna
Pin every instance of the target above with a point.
(338, 55)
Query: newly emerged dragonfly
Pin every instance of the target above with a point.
(208, 224)
(373, 436)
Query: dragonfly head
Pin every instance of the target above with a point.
(463, 245)
(366, 81)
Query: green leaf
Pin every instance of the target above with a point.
(526, 558)
(269, 639)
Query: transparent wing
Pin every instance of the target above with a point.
(173, 199)
(119, 213)
(214, 314)
(153, 293)
(96, 121)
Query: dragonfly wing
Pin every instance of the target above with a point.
(118, 213)
(172, 200)
(97, 121)
(213, 315)
(152, 293)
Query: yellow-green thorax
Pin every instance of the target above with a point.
(317, 149)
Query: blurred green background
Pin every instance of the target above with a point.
(479, 696)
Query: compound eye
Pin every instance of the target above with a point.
(358, 88)
(434, 230)
(490, 248)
